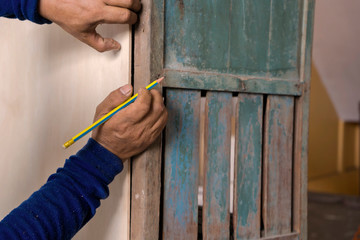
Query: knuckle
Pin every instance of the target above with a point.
(166, 115)
(144, 108)
(126, 15)
(99, 48)
(158, 108)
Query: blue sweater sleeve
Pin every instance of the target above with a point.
(68, 200)
(22, 9)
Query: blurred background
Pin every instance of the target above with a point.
(334, 128)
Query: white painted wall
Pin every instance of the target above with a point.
(50, 84)
(336, 54)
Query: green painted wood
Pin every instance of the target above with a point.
(232, 83)
(197, 33)
(277, 160)
(247, 197)
(180, 210)
(283, 52)
(253, 38)
(216, 208)
(249, 37)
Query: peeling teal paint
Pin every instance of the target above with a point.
(217, 165)
(257, 38)
(278, 159)
(181, 159)
(248, 170)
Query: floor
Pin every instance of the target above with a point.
(333, 217)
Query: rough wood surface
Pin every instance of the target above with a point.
(256, 38)
(301, 129)
(247, 209)
(216, 208)
(146, 168)
(232, 83)
(180, 209)
(277, 170)
(290, 236)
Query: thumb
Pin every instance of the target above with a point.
(96, 41)
(114, 99)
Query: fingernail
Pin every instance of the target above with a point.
(126, 89)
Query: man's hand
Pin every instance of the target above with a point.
(135, 127)
(81, 17)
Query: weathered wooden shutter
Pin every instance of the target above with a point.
(258, 52)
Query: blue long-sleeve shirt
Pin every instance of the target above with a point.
(22, 9)
(68, 200)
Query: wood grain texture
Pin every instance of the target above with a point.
(216, 208)
(146, 167)
(284, 39)
(290, 236)
(180, 213)
(277, 175)
(250, 22)
(232, 83)
(51, 84)
(302, 127)
(197, 34)
(256, 38)
(248, 145)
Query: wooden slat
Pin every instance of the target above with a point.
(216, 208)
(146, 167)
(247, 209)
(180, 213)
(232, 83)
(277, 175)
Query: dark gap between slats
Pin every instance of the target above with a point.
(293, 166)
(162, 159)
(201, 164)
(200, 235)
(262, 228)
(133, 84)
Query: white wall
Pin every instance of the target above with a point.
(50, 84)
(336, 54)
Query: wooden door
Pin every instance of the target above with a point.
(256, 54)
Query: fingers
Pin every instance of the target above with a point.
(134, 5)
(115, 98)
(159, 125)
(96, 41)
(157, 108)
(140, 108)
(114, 15)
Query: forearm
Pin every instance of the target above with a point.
(22, 9)
(68, 200)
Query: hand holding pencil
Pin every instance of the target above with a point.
(135, 127)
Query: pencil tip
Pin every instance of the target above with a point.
(160, 79)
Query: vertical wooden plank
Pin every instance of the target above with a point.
(249, 37)
(146, 167)
(180, 213)
(302, 126)
(277, 183)
(216, 208)
(284, 41)
(248, 145)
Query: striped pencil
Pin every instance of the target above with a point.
(108, 116)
